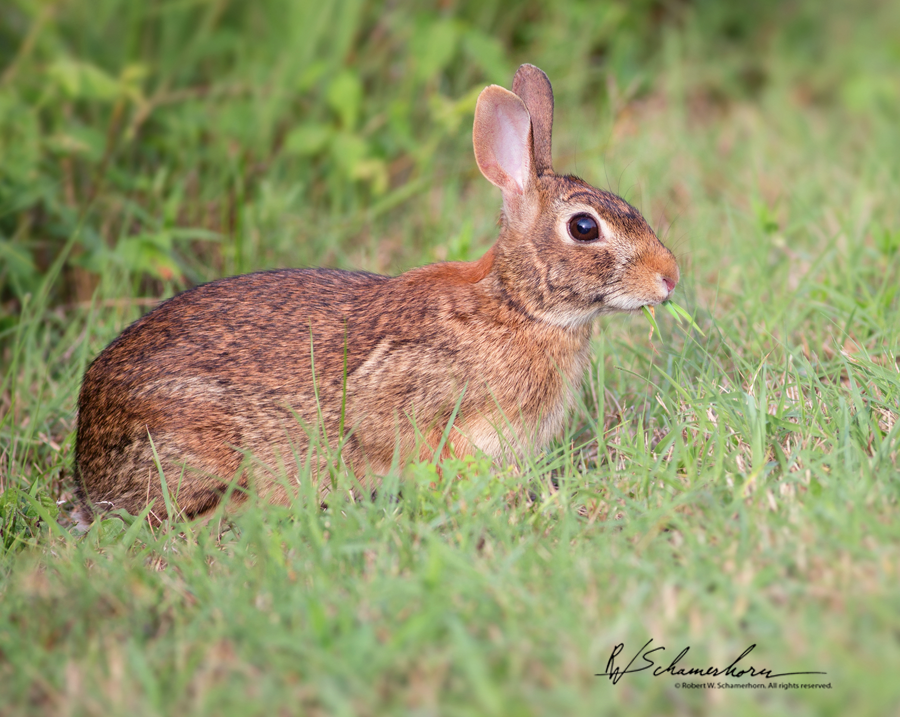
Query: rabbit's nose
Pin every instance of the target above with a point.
(670, 284)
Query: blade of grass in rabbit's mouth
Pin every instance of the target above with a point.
(679, 313)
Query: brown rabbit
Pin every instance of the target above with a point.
(232, 382)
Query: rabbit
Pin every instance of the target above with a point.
(238, 381)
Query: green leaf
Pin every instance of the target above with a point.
(651, 319)
(83, 81)
(19, 139)
(488, 53)
(344, 97)
(147, 253)
(87, 142)
(348, 150)
(374, 171)
(19, 266)
(308, 139)
(680, 314)
(432, 48)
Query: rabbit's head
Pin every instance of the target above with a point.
(567, 251)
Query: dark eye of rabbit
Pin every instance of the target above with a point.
(583, 227)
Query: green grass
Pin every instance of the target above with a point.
(713, 491)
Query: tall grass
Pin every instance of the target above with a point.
(711, 491)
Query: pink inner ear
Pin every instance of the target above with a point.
(510, 144)
(502, 139)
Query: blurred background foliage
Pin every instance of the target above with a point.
(173, 141)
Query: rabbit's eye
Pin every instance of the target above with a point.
(583, 227)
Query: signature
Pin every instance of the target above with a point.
(616, 673)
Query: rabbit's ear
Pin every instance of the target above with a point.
(533, 86)
(502, 139)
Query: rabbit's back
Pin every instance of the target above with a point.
(219, 369)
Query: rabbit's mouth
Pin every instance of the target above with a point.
(607, 304)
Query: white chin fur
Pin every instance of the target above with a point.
(630, 303)
(573, 318)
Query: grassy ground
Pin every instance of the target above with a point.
(712, 491)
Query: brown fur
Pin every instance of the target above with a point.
(234, 380)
